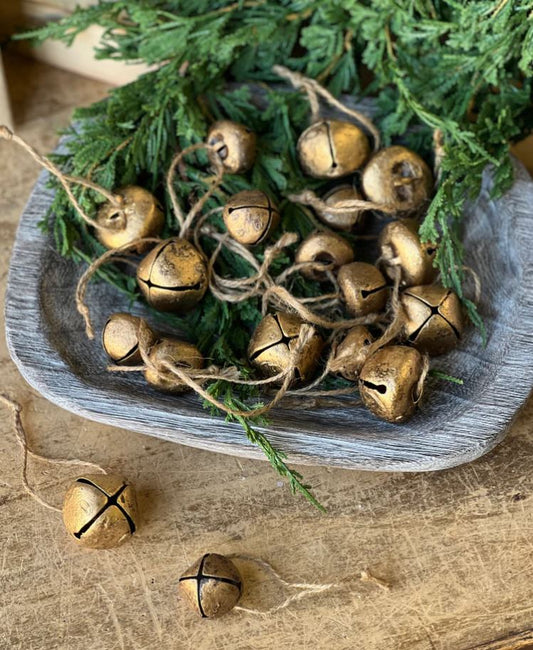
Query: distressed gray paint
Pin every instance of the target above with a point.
(457, 424)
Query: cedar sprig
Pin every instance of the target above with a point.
(222, 390)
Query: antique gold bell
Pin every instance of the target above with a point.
(433, 318)
(100, 510)
(326, 248)
(179, 353)
(332, 148)
(140, 215)
(398, 177)
(272, 342)
(390, 382)
(250, 217)
(343, 220)
(120, 340)
(235, 145)
(173, 276)
(400, 248)
(211, 586)
(363, 288)
(351, 353)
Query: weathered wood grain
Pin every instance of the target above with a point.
(456, 424)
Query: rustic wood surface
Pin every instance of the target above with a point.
(455, 546)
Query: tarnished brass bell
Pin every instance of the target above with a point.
(363, 288)
(235, 145)
(351, 353)
(323, 247)
(332, 149)
(100, 510)
(179, 353)
(400, 248)
(272, 342)
(433, 318)
(250, 216)
(120, 340)
(389, 382)
(173, 276)
(140, 215)
(397, 177)
(344, 220)
(211, 586)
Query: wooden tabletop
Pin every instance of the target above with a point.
(454, 547)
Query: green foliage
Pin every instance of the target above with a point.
(464, 68)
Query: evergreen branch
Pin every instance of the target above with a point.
(276, 458)
(434, 372)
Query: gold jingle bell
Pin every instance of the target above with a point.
(433, 318)
(235, 145)
(211, 586)
(363, 288)
(344, 220)
(275, 338)
(179, 353)
(173, 276)
(250, 217)
(351, 353)
(332, 149)
(140, 215)
(120, 339)
(389, 382)
(323, 247)
(398, 177)
(100, 510)
(400, 248)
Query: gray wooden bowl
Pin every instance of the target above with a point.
(46, 340)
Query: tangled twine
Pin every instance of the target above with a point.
(169, 370)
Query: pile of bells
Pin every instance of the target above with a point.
(173, 276)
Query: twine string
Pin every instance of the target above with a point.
(313, 90)
(105, 258)
(280, 296)
(66, 180)
(185, 222)
(309, 198)
(305, 588)
(438, 148)
(22, 439)
(477, 283)
(190, 378)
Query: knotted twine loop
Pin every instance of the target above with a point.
(185, 222)
(281, 297)
(239, 289)
(308, 197)
(22, 439)
(194, 379)
(112, 255)
(66, 181)
(304, 588)
(313, 90)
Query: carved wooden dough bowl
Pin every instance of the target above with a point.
(46, 339)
